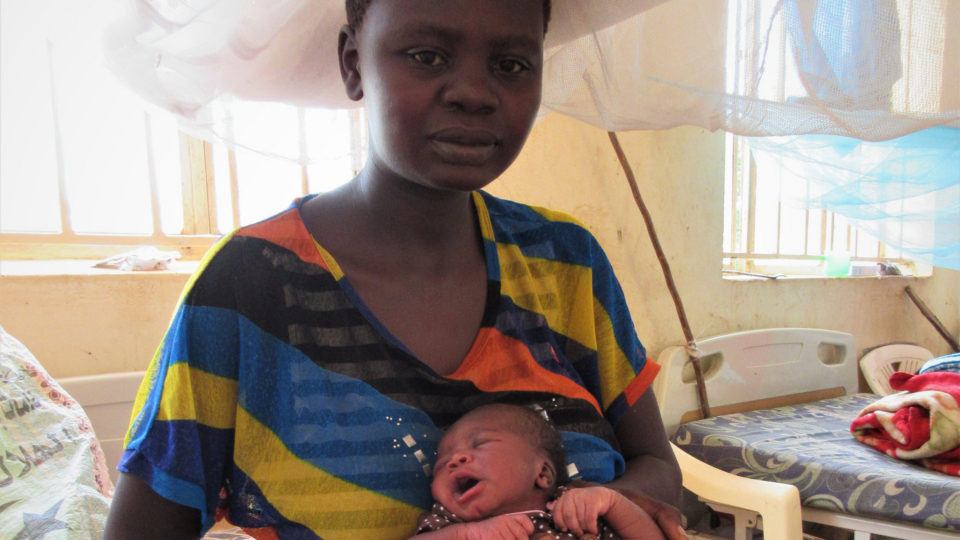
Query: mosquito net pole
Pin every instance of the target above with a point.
(692, 350)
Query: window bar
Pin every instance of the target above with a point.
(304, 153)
(827, 241)
(751, 172)
(781, 93)
(152, 177)
(754, 83)
(200, 211)
(907, 69)
(356, 139)
(66, 226)
(734, 192)
(779, 210)
(233, 176)
(738, 54)
(751, 82)
(234, 186)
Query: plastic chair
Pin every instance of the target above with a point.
(878, 364)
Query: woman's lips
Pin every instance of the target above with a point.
(459, 146)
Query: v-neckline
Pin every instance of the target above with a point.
(491, 301)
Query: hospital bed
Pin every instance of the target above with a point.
(781, 405)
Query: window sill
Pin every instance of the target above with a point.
(82, 267)
(753, 278)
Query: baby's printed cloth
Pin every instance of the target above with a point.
(544, 529)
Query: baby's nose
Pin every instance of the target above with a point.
(458, 460)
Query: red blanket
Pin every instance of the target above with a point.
(922, 422)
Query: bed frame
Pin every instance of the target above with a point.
(108, 400)
(763, 369)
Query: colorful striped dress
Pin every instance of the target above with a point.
(277, 400)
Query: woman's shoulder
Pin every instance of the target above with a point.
(277, 246)
(529, 226)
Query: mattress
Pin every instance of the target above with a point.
(810, 447)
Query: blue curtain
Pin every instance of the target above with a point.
(904, 191)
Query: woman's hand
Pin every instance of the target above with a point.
(668, 518)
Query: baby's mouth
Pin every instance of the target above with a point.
(466, 487)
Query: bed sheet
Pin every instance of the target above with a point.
(810, 447)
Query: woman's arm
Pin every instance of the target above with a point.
(652, 479)
(651, 466)
(138, 512)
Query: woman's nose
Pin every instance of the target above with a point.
(471, 90)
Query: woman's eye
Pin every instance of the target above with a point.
(511, 66)
(428, 58)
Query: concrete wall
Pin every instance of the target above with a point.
(87, 324)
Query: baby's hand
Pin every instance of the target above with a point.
(506, 527)
(577, 510)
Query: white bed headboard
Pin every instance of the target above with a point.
(107, 400)
(756, 369)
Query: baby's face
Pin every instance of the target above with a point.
(484, 468)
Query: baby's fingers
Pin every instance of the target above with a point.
(589, 514)
(566, 514)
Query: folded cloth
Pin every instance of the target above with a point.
(949, 362)
(921, 422)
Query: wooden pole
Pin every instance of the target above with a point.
(668, 276)
(933, 319)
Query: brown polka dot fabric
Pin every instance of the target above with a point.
(439, 517)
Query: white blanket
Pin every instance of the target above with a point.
(53, 476)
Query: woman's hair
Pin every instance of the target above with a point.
(357, 8)
(533, 425)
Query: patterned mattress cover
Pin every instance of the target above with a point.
(810, 446)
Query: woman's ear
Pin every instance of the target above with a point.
(350, 62)
(547, 479)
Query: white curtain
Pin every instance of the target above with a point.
(870, 69)
(864, 70)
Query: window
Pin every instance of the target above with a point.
(86, 173)
(763, 236)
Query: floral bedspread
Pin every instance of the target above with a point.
(810, 446)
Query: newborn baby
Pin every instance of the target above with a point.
(498, 474)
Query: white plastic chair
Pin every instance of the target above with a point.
(878, 364)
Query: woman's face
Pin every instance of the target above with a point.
(451, 87)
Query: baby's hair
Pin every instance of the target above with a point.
(529, 423)
(356, 9)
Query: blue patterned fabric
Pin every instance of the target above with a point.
(810, 447)
(949, 362)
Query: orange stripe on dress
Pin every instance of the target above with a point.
(641, 382)
(262, 533)
(287, 230)
(504, 364)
